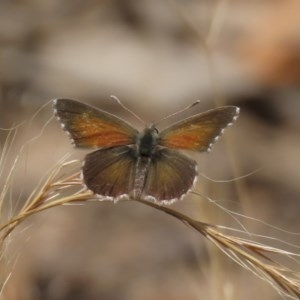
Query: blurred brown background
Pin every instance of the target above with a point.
(157, 56)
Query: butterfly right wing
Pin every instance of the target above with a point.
(110, 172)
(90, 127)
(199, 132)
(171, 175)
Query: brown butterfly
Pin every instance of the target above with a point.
(146, 164)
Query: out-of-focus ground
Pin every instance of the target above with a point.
(157, 56)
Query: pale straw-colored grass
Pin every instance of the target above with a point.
(63, 186)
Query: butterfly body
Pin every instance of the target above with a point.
(147, 141)
(145, 164)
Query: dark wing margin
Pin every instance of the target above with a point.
(199, 132)
(110, 172)
(171, 175)
(90, 127)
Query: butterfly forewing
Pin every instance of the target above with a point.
(199, 132)
(110, 172)
(170, 176)
(90, 127)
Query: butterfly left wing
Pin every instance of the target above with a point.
(90, 127)
(110, 172)
(199, 132)
(170, 176)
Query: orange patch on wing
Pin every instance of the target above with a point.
(89, 131)
(189, 139)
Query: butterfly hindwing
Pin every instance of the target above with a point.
(90, 127)
(170, 176)
(199, 132)
(110, 172)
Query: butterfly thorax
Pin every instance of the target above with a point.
(147, 141)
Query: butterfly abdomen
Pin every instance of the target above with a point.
(141, 170)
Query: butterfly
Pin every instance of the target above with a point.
(140, 165)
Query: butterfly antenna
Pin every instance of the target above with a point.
(126, 108)
(179, 111)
